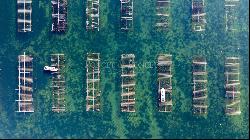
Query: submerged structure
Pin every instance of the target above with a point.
(199, 85)
(126, 14)
(164, 66)
(24, 11)
(231, 8)
(128, 83)
(198, 15)
(25, 82)
(162, 14)
(93, 82)
(232, 85)
(59, 16)
(58, 83)
(92, 12)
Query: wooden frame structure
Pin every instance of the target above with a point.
(58, 83)
(162, 14)
(199, 85)
(126, 14)
(25, 82)
(231, 7)
(232, 85)
(128, 83)
(93, 82)
(24, 11)
(92, 12)
(198, 15)
(59, 16)
(164, 66)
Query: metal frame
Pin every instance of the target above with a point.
(24, 12)
(232, 85)
(59, 16)
(199, 85)
(164, 67)
(25, 83)
(128, 83)
(198, 15)
(58, 83)
(93, 82)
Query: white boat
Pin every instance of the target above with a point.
(52, 69)
(162, 95)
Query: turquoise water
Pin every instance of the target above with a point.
(145, 43)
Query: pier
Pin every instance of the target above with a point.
(199, 86)
(232, 85)
(231, 10)
(25, 83)
(128, 83)
(164, 66)
(93, 82)
(92, 12)
(126, 14)
(58, 83)
(162, 14)
(24, 11)
(198, 15)
(59, 15)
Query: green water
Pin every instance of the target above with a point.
(145, 43)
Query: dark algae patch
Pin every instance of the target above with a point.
(145, 43)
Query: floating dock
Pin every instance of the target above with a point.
(164, 66)
(93, 82)
(199, 85)
(232, 85)
(128, 83)
(24, 11)
(198, 15)
(231, 8)
(126, 14)
(92, 12)
(58, 83)
(25, 82)
(59, 15)
(162, 14)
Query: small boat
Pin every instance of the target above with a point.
(162, 95)
(51, 69)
